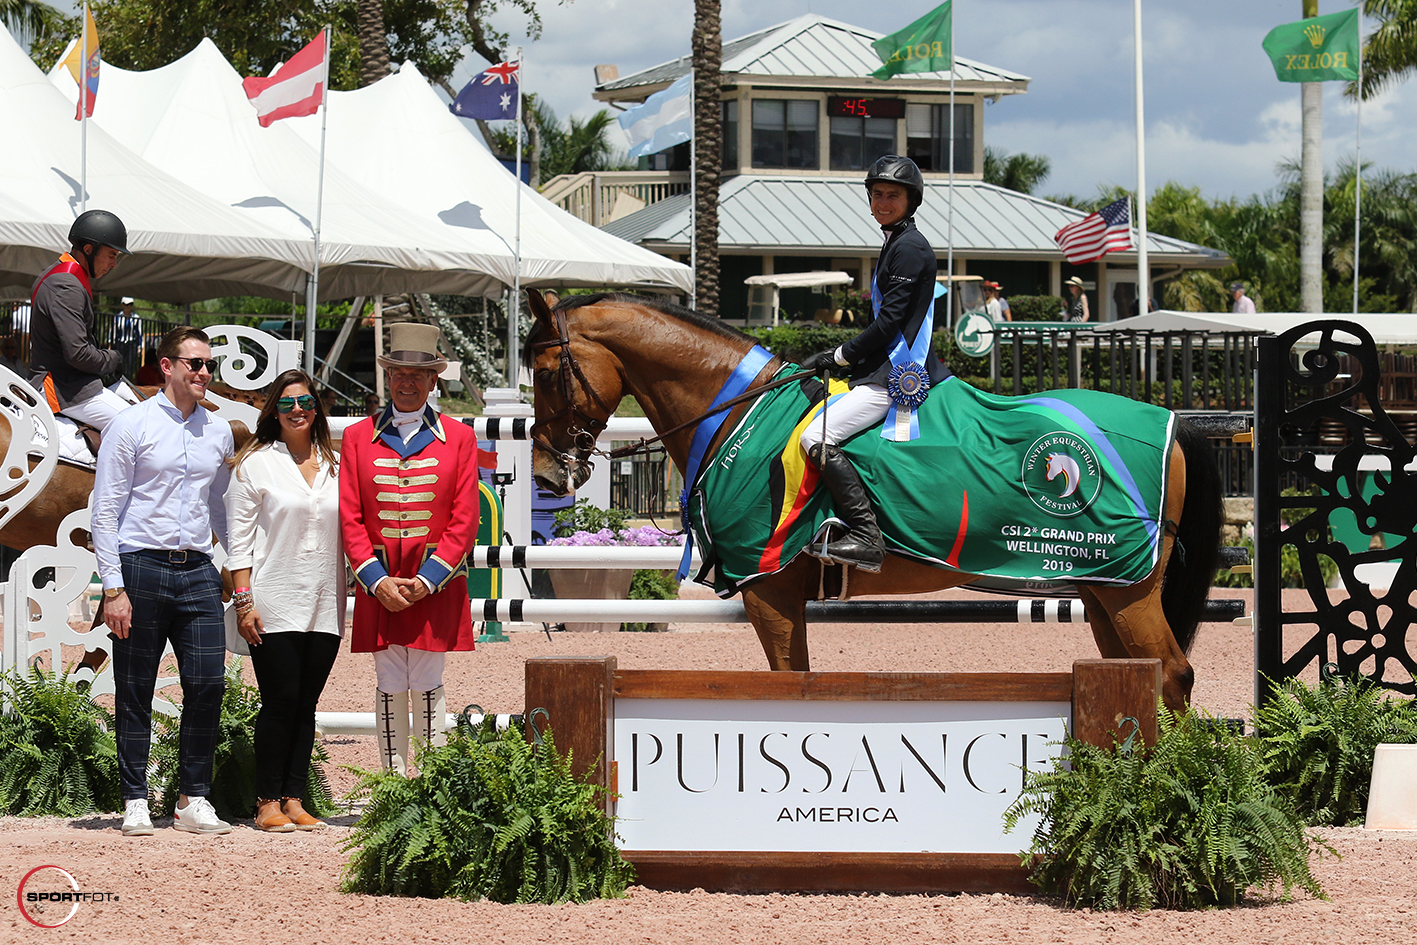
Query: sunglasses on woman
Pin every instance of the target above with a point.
(287, 404)
(196, 364)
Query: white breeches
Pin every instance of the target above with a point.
(849, 413)
(399, 669)
(98, 409)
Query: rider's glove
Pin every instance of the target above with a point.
(822, 361)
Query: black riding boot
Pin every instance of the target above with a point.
(861, 546)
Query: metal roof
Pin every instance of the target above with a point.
(776, 213)
(810, 46)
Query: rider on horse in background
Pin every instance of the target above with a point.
(897, 342)
(65, 360)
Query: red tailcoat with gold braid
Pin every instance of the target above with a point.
(408, 509)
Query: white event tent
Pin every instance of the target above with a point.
(191, 119)
(188, 246)
(407, 187)
(397, 138)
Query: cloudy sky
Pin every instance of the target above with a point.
(1216, 116)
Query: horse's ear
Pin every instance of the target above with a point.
(539, 309)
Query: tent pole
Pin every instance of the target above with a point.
(313, 298)
(378, 346)
(514, 307)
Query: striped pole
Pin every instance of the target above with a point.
(1040, 610)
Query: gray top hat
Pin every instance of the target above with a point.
(413, 345)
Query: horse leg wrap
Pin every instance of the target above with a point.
(861, 547)
(391, 713)
(432, 707)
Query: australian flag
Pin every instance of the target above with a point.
(491, 95)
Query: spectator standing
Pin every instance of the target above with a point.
(992, 307)
(128, 336)
(287, 566)
(1244, 305)
(1077, 310)
(1003, 302)
(157, 500)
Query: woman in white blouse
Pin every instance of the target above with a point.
(288, 570)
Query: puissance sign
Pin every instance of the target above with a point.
(821, 776)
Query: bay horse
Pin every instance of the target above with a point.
(594, 350)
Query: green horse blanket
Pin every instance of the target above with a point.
(1062, 485)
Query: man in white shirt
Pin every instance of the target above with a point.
(157, 500)
(1244, 305)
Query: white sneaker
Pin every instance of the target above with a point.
(199, 817)
(136, 820)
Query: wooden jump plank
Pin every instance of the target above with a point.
(844, 687)
(738, 871)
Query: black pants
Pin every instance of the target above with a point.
(291, 669)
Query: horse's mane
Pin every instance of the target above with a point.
(704, 322)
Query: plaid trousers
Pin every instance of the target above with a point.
(176, 596)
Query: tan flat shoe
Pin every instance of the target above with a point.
(270, 819)
(295, 813)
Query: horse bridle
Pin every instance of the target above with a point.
(584, 437)
(583, 428)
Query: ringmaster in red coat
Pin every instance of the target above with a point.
(408, 514)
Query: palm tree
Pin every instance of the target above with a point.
(373, 45)
(1391, 50)
(30, 20)
(1020, 172)
(707, 49)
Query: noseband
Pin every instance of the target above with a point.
(583, 428)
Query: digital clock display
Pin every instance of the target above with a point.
(866, 107)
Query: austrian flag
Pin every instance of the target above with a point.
(296, 88)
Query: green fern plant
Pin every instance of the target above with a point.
(489, 817)
(58, 756)
(233, 791)
(1317, 743)
(1189, 823)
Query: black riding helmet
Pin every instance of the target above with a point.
(100, 228)
(894, 169)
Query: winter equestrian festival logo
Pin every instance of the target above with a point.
(1061, 473)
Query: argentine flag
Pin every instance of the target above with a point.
(664, 120)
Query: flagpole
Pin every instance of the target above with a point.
(1143, 264)
(515, 308)
(313, 297)
(950, 189)
(1358, 174)
(84, 112)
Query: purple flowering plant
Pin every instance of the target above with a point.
(585, 525)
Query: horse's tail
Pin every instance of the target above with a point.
(1191, 570)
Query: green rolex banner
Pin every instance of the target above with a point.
(1317, 49)
(923, 46)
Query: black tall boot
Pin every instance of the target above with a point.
(861, 546)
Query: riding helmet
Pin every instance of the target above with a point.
(894, 169)
(101, 228)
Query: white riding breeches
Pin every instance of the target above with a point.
(398, 669)
(847, 414)
(98, 409)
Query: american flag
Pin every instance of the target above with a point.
(1097, 234)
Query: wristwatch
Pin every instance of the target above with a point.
(112, 592)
